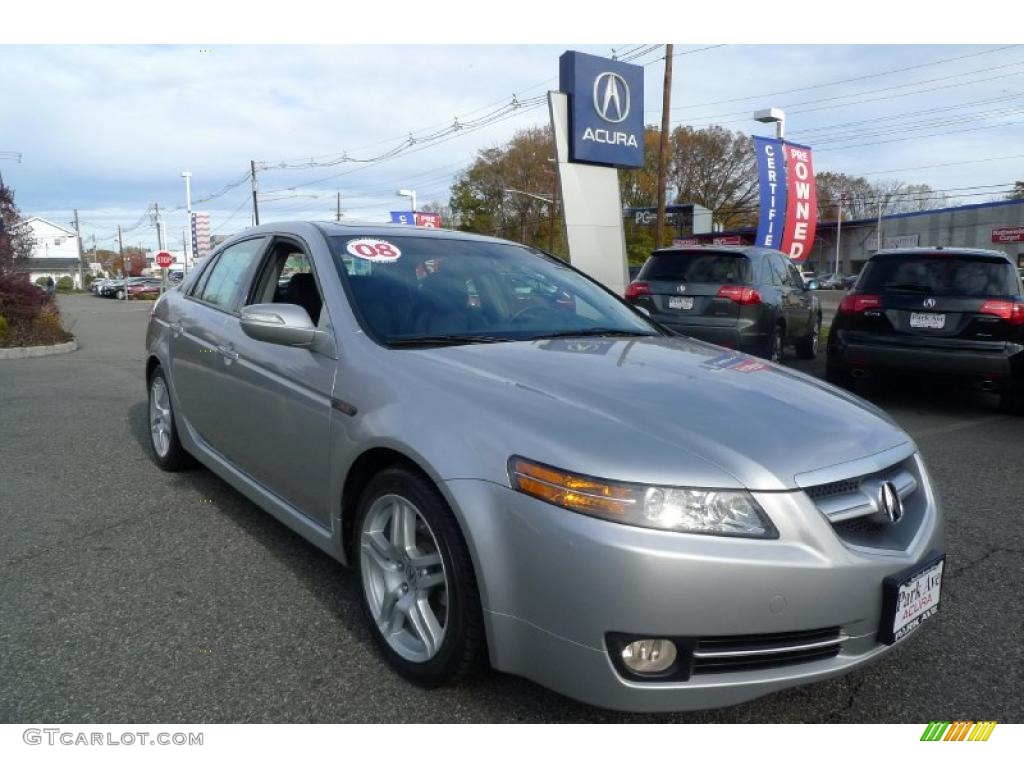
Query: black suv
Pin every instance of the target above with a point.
(746, 298)
(953, 312)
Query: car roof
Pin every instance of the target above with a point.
(739, 250)
(360, 229)
(986, 253)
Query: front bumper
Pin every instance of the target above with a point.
(554, 583)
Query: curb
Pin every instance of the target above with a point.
(14, 353)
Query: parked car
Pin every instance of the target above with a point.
(144, 286)
(934, 311)
(110, 288)
(741, 297)
(635, 519)
(837, 282)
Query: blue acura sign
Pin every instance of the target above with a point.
(606, 109)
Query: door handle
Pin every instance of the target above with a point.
(228, 352)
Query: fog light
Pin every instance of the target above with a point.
(647, 657)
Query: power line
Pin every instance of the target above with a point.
(850, 79)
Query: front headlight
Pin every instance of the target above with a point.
(688, 510)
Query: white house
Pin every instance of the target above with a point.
(54, 250)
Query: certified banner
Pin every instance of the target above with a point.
(801, 203)
(771, 181)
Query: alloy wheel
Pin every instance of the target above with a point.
(160, 416)
(404, 578)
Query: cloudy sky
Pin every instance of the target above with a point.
(108, 129)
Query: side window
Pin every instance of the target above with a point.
(772, 267)
(288, 278)
(229, 277)
(782, 268)
(795, 279)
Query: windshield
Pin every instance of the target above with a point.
(939, 274)
(697, 267)
(409, 288)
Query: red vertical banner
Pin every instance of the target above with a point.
(802, 203)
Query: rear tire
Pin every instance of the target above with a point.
(807, 347)
(775, 345)
(429, 638)
(1011, 400)
(840, 377)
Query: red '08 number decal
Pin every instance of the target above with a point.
(374, 250)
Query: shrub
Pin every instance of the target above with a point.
(41, 282)
(20, 299)
(65, 284)
(3, 328)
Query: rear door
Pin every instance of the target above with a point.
(798, 300)
(684, 285)
(938, 296)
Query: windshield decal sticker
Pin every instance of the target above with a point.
(371, 249)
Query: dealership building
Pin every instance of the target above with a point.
(996, 225)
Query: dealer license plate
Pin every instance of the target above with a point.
(910, 598)
(927, 320)
(680, 302)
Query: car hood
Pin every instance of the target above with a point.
(671, 401)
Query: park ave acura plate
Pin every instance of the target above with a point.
(910, 598)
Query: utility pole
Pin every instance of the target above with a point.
(187, 175)
(666, 102)
(878, 238)
(839, 228)
(554, 207)
(337, 216)
(255, 204)
(78, 237)
(124, 265)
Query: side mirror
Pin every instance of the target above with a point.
(287, 324)
(813, 285)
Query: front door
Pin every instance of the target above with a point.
(280, 404)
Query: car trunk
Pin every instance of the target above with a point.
(685, 285)
(936, 296)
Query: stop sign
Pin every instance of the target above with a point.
(164, 259)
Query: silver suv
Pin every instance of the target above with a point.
(522, 468)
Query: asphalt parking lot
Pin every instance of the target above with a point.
(130, 595)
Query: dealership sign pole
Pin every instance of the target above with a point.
(598, 121)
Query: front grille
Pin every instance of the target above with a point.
(852, 507)
(739, 653)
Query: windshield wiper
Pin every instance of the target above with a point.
(447, 340)
(915, 287)
(591, 332)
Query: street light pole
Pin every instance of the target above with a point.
(666, 101)
(78, 237)
(187, 175)
(411, 194)
(255, 204)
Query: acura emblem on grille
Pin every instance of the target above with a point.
(889, 502)
(929, 303)
(681, 288)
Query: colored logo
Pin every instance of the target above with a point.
(958, 731)
(611, 97)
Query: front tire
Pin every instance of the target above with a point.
(120, 294)
(166, 448)
(418, 586)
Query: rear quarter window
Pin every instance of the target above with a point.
(697, 267)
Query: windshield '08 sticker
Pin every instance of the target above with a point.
(372, 249)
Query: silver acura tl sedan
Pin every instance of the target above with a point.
(523, 469)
